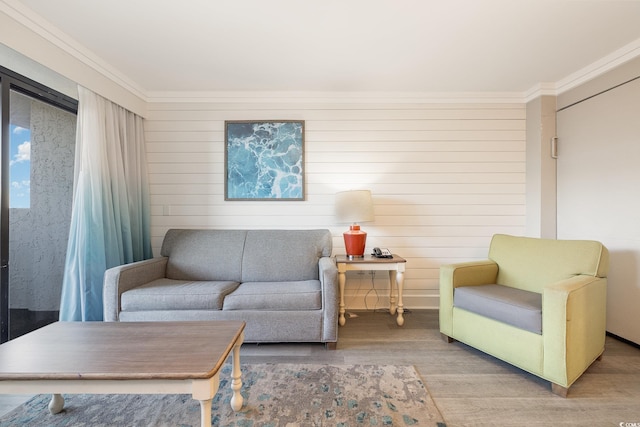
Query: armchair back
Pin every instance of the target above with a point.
(531, 263)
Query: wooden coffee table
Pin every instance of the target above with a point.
(124, 358)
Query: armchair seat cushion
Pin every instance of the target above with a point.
(516, 307)
(277, 296)
(171, 294)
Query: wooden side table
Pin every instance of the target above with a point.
(394, 265)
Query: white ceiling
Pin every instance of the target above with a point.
(428, 46)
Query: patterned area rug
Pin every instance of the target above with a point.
(274, 395)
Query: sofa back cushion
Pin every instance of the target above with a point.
(284, 255)
(204, 254)
(530, 263)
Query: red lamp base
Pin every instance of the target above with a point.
(354, 241)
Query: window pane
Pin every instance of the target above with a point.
(20, 167)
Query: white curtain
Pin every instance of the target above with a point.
(110, 220)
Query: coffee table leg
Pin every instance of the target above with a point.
(205, 413)
(56, 404)
(236, 382)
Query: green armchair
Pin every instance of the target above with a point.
(538, 304)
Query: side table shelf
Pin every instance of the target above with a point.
(395, 266)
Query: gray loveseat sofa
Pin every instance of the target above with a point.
(282, 283)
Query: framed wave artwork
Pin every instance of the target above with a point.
(264, 160)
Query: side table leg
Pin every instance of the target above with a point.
(56, 404)
(400, 283)
(342, 279)
(392, 295)
(236, 382)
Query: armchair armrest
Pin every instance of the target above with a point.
(330, 296)
(472, 273)
(573, 326)
(122, 278)
(461, 274)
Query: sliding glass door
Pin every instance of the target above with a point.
(38, 140)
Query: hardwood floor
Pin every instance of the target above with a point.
(469, 387)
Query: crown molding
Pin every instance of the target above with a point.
(541, 89)
(600, 67)
(338, 97)
(590, 72)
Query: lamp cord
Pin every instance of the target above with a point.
(373, 289)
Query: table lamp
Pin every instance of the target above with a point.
(352, 207)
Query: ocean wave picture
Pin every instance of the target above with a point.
(264, 160)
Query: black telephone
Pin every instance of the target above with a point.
(382, 253)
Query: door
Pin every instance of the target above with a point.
(38, 145)
(599, 192)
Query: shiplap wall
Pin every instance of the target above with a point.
(444, 179)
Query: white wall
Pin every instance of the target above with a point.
(444, 178)
(541, 168)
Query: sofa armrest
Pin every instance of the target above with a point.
(470, 273)
(573, 326)
(122, 278)
(330, 297)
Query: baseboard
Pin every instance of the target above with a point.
(624, 340)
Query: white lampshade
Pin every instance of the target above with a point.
(354, 206)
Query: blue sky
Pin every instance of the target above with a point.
(20, 170)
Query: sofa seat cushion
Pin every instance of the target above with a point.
(513, 306)
(276, 296)
(170, 294)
